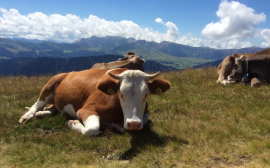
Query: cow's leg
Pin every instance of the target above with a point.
(39, 105)
(220, 79)
(90, 126)
(226, 82)
(46, 97)
(255, 82)
(47, 111)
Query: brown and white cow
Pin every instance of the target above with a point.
(225, 67)
(115, 97)
(130, 61)
(257, 66)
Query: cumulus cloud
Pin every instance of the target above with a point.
(236, 21)
(159, 20)
(236, 24)
(71, 27)
(265, 35)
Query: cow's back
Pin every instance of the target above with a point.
(76, 87)
(259, 65)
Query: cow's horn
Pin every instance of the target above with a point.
(114, 76)
(242, 56)
(152, 75)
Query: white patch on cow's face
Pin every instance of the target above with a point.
(237, 71)
(70, 110)
(133, 94)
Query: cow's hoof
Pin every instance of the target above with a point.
(38, 114)
(255, 82)
(219, 80)
(70, 122)
(256, 85)
(25, 119)
(225, 82)
(75, 125)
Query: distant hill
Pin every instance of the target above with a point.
(209, 64)
(49, 65)
(166, 53)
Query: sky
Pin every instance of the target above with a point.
(221, 24)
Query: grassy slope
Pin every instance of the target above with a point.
(168, 60)
(197, 123)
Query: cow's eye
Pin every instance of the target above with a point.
(122, 97)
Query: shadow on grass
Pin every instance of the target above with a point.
(146, 136)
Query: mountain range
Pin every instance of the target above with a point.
(170, 55)
(51, 66)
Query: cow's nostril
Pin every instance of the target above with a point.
(133, 125)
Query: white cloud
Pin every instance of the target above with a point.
(234, 43)
(265, 35)
(236, 21)
(159, 20)
(227, 44)
(71, 27)
(223, 34)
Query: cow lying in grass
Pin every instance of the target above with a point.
(115, 97)
(226, 66)
(256, 67)
(130, 61)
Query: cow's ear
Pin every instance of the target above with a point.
(243, 57)
(122, 59)
(240, 60)
(109, 87)
(142, 61)
(158, 86)
(232, 59)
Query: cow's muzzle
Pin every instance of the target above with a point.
(134, 125)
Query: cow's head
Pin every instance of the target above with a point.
(239, 69)
(131, 55)
(135, 62)
(133, 87)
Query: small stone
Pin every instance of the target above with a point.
(109, 157)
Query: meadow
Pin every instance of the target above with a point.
(197, 123)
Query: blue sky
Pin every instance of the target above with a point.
(210, 23)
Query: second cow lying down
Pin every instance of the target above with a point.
(256, 67)
(226, 66)
(130, 61)
(114, 97)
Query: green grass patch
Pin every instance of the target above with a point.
(176, 62)
(197, 123)
(168, 60)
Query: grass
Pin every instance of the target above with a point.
(197, 123)
(169, 60)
